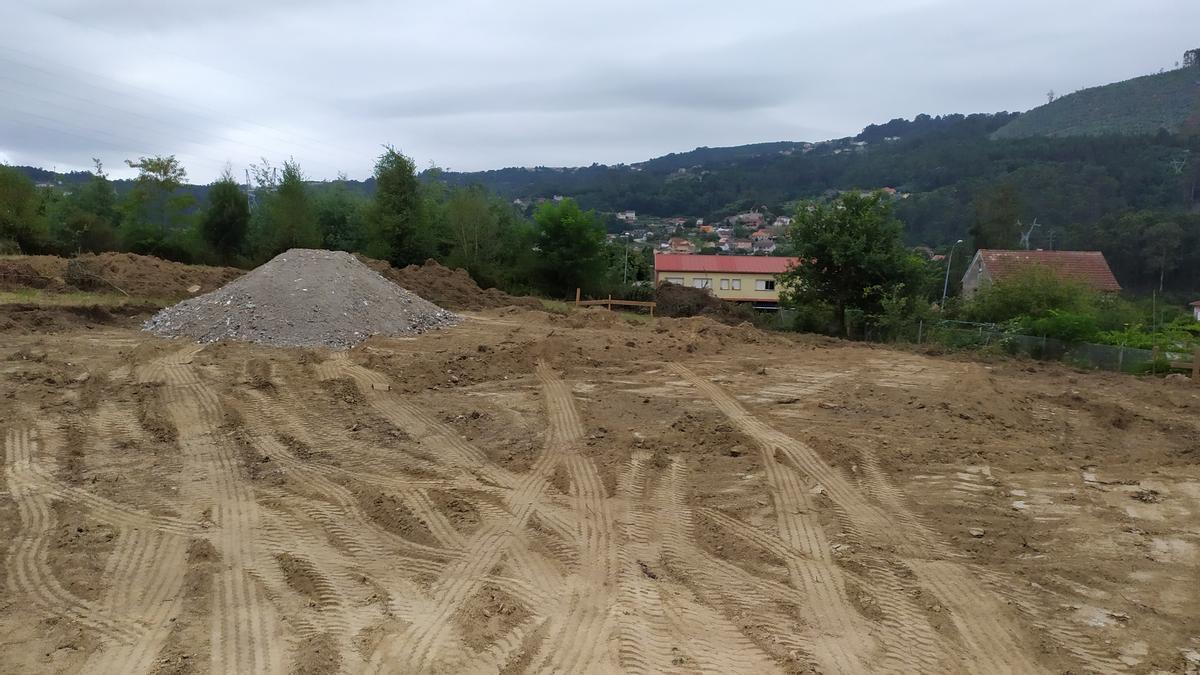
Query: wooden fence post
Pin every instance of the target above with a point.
(1196, 365)
(610, 302)
(576, 297)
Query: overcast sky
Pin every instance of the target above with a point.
(468, 84)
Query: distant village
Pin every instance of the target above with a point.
(754, 232)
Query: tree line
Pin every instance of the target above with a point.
(406, 220)
(955, 180)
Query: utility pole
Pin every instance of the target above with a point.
(946, 282)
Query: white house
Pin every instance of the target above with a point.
(1196, 309)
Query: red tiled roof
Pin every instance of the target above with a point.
(1088, 267)
(1196, 303)
(740, 264)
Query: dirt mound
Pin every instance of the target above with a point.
(137, 275)
(679, 301)
(302, 298)
(446, 287)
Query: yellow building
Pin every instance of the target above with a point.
(730, 277)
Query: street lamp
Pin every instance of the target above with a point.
(946, 283)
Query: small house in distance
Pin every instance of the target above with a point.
(734, 278)
(1196, 310)
(1086, 267)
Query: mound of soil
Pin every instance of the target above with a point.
(679, 301)
(302, 298)
(450, 288)
(137, 275)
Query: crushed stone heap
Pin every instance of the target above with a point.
(302, 298)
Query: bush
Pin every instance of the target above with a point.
(1065, 326)
(1034, 293)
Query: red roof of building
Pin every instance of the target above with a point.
(738, 264)
(1088, 267)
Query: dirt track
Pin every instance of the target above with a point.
(536, 493)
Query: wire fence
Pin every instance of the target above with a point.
(967, 335)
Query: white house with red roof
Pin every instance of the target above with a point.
(729, 277)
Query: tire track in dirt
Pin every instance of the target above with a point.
(361, 536)
(664, 630)
(29, 574)
(991, 633)
(245, 632)
(909, 642)
(449, 446)
(747, 604)
(144, 582)
(578, 641)
(433, 638)
(845, 642)
(106, 510)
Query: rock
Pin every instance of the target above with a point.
(737, 451)
(1178, 377)
(381, 386)
(1019, 505)
(82, 377)
(976, 532)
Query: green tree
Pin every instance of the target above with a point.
(153, 209)
(227, 217)
(996, 214)
(292, 211)
(395, 226)
(1162, 243)
(340, 217)
(570, 247)
(473, 228)
(22, 227)
(1036, 292)
(851, 257)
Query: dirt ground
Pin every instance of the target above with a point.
(529, 492)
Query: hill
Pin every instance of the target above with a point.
(1144, 105)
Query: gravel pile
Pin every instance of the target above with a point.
(302, 298)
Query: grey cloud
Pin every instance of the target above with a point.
(474, 85)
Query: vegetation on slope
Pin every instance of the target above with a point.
(1141, 106)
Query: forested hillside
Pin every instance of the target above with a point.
(1168, 101)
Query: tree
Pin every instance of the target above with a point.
(472, 226)
(340, 217)
(1191, 58)
(22, 228)
(396, 229)
(569, 248)
(291, 213)
(153, 210)
(996, 215)
(227, 218)
(851, 256)
(1162, 240)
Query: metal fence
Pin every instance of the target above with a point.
(964, 335)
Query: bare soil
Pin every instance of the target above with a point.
(531, 492)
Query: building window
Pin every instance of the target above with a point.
(764, 284)
(736, 284)
(678, 281)
(701, 282)
(724, 284)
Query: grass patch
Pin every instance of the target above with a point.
(557, 306)
(33, 296)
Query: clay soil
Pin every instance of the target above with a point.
(527, 492)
